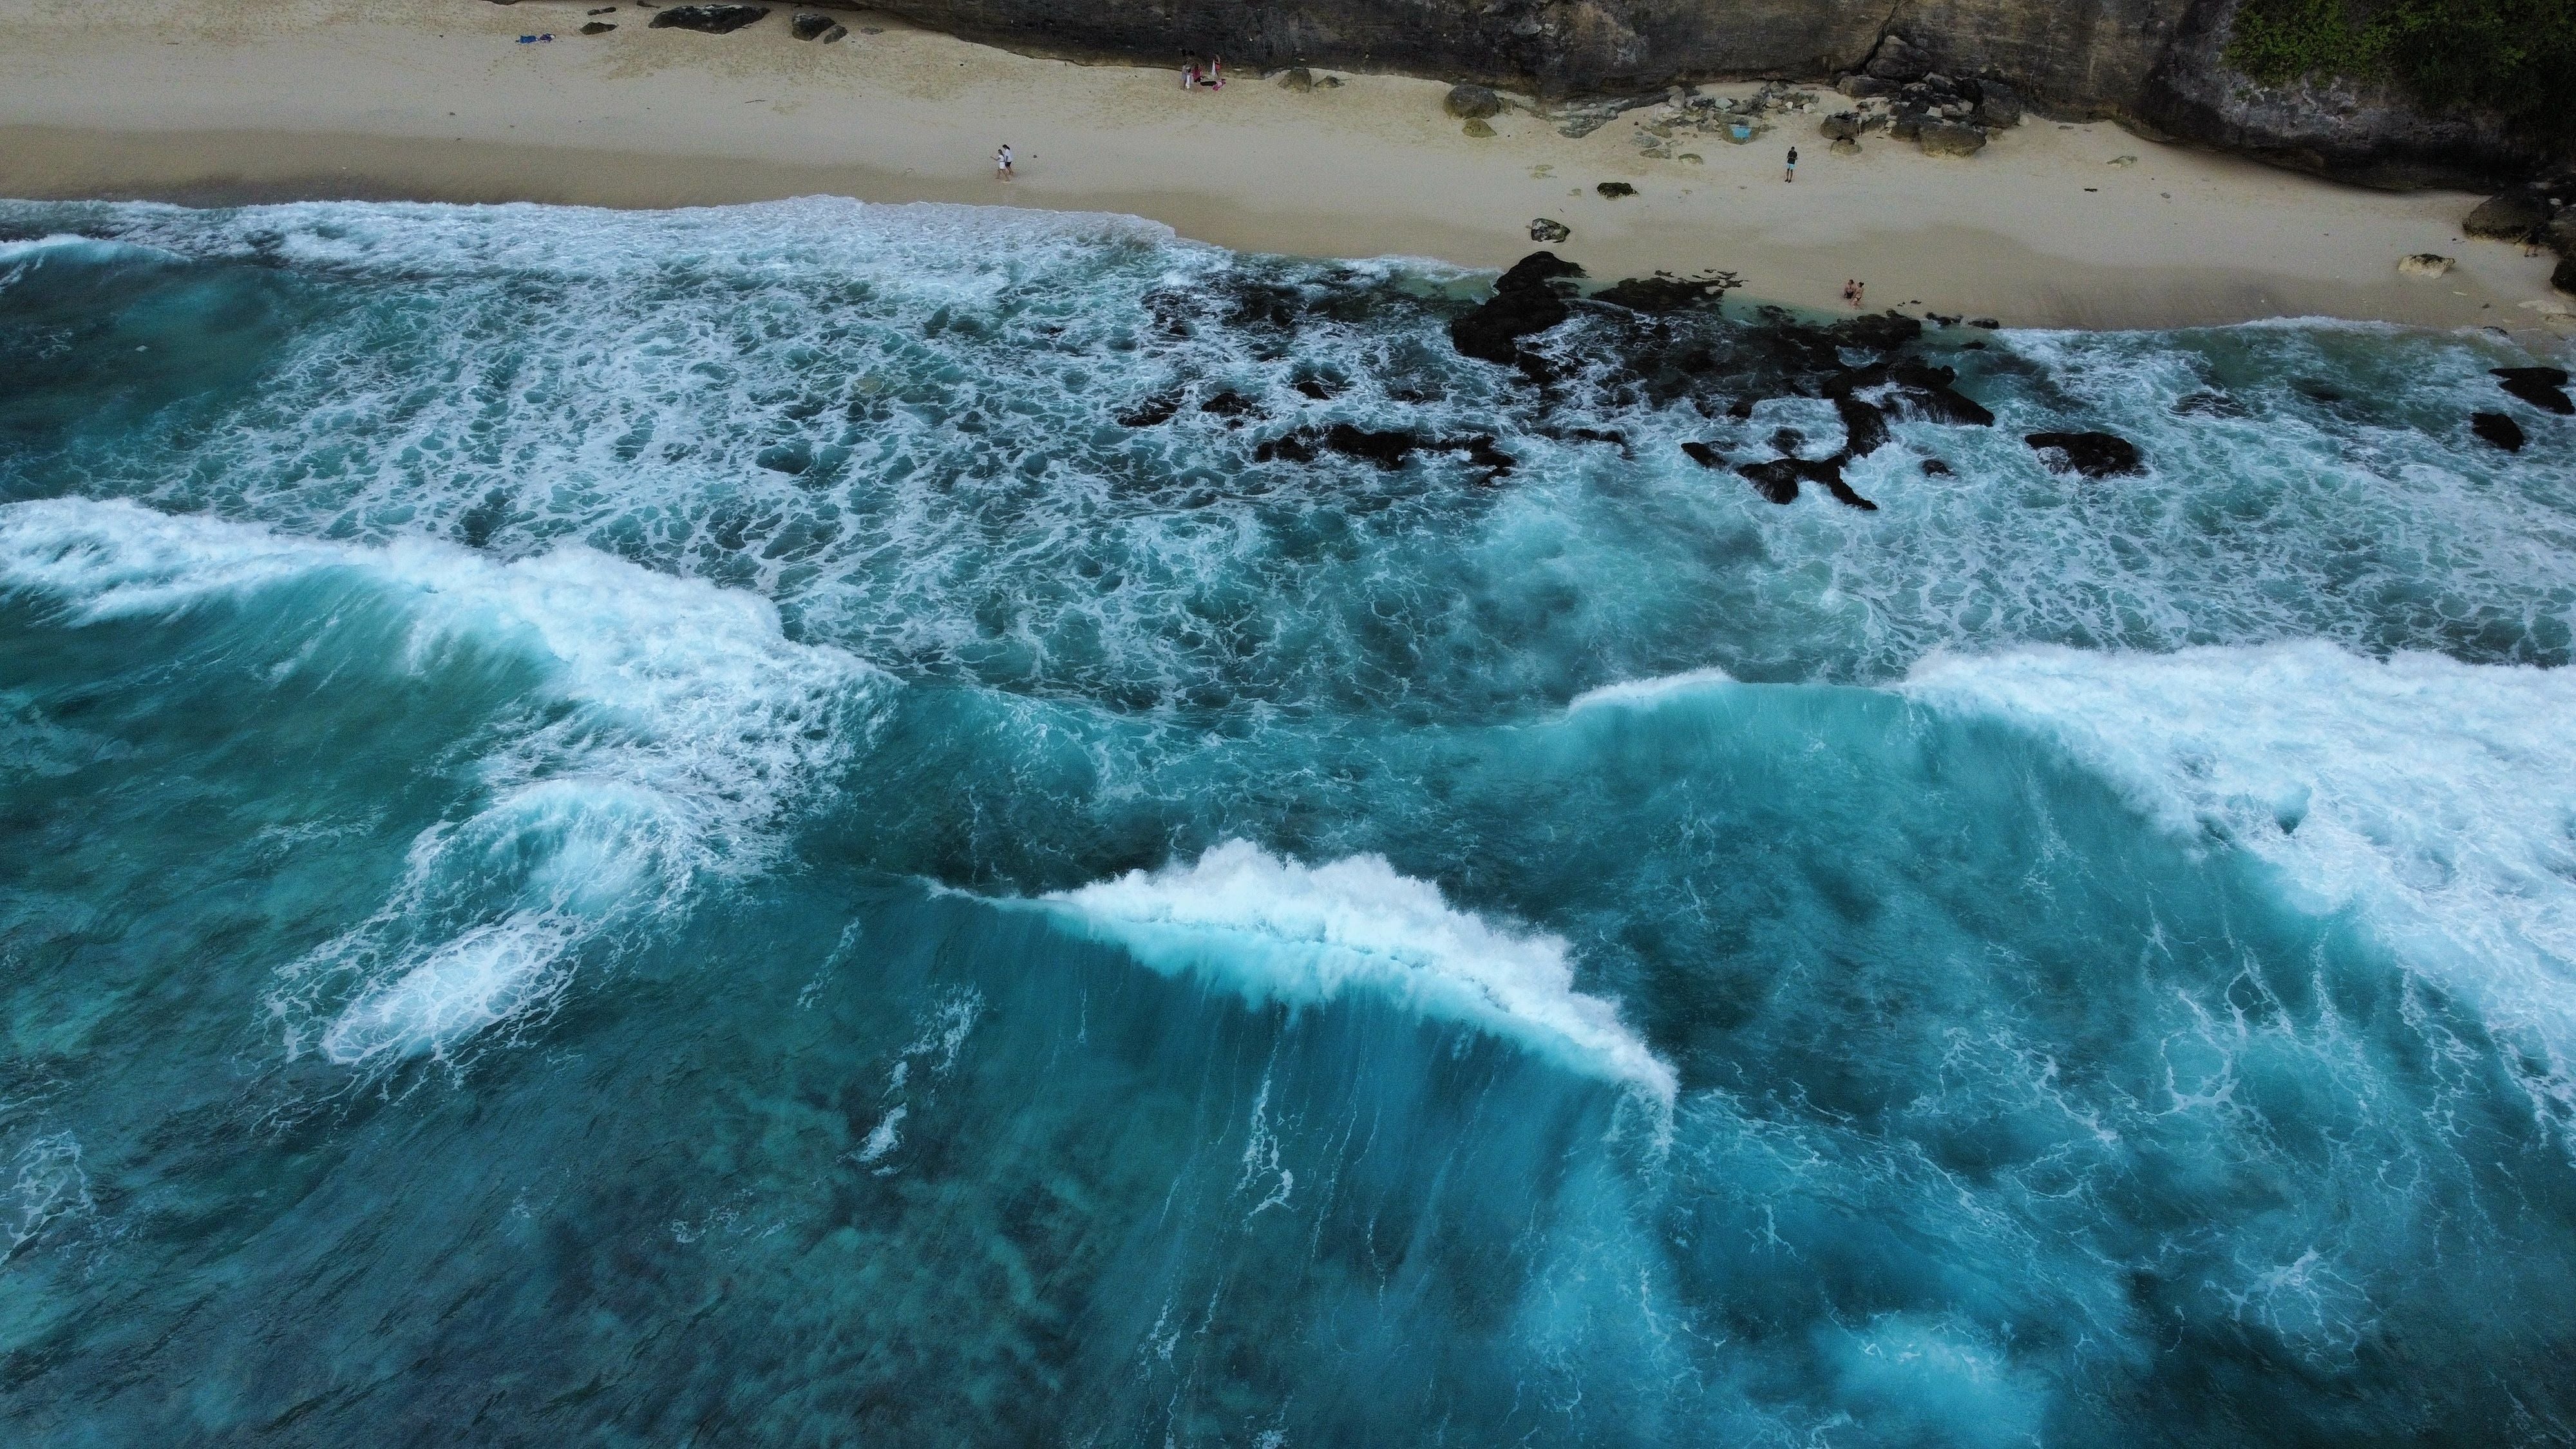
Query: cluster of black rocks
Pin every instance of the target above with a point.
(2543, 387)
(1942, 114)
(1645, 343)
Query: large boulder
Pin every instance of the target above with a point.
(1949, 138)
(1998, 108)
(710, 19)
(2095, 455)
(2543, 387)
(1898, 59)
(807, 25)
(1472, 103)
(2497, 429)
(2510, 216)
(2564, 279)
(1841, 126)
(1530, 298)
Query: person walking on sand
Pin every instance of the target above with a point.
(1216, 73)
(1190, 76)
(1002, 163)
(1792, 173)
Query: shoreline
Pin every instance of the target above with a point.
(208, 102)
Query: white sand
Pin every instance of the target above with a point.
(229, 100)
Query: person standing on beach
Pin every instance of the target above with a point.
(1190, 76)
(1792, 174)
(1002, 163)
(1216, 73)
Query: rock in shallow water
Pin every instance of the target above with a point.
(2498, 429)
(2095, 455)
(2542, 387)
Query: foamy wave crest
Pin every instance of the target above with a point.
(2437, 799)
(674, 727)
(1278, 930)
(1645, 693)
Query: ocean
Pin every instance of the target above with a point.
(835, 824)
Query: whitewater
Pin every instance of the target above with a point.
(830, 823)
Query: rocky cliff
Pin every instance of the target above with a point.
(2155, 63)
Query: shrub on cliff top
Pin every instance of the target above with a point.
(2515, 57)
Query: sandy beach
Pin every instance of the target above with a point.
(222, 101)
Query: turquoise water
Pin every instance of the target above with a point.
(653, 828)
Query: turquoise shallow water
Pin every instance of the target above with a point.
(653, 828)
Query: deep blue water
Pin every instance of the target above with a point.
(662, 828)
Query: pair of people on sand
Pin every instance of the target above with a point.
(1212, 78)
(1852, 291)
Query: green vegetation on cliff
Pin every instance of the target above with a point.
(2516, 57)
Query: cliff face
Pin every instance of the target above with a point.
(2154, 62)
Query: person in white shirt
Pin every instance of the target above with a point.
(1002, 163)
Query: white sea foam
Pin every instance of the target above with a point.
(674, 723)
(1278, 930)
(2435, 798)
(1642, 693)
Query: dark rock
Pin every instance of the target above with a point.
(1935, 468)
(1528, 299)
(597, 27)
(1988, 324)
(1615, 189)
(1152, 412)
(2542, 387)
(1230, 404)
(1387, 448)
(1776, 480)
(1472, 103)
(1949, 138)
(1864, 427)
(1898, 59)
(1787, 440)
(1318, 388)
(2509, 216)
(1877, 332)
(1620, 441)
(1704, 455)
(2498, 429)
(1862, 87)
(2095, 455)
(709, 19)
(1998, 107)
(1543, 229)
(1841, 126)
(1662, 293)
(2564, 278)
(1297, 78)
(834, 34)
(807, 25)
